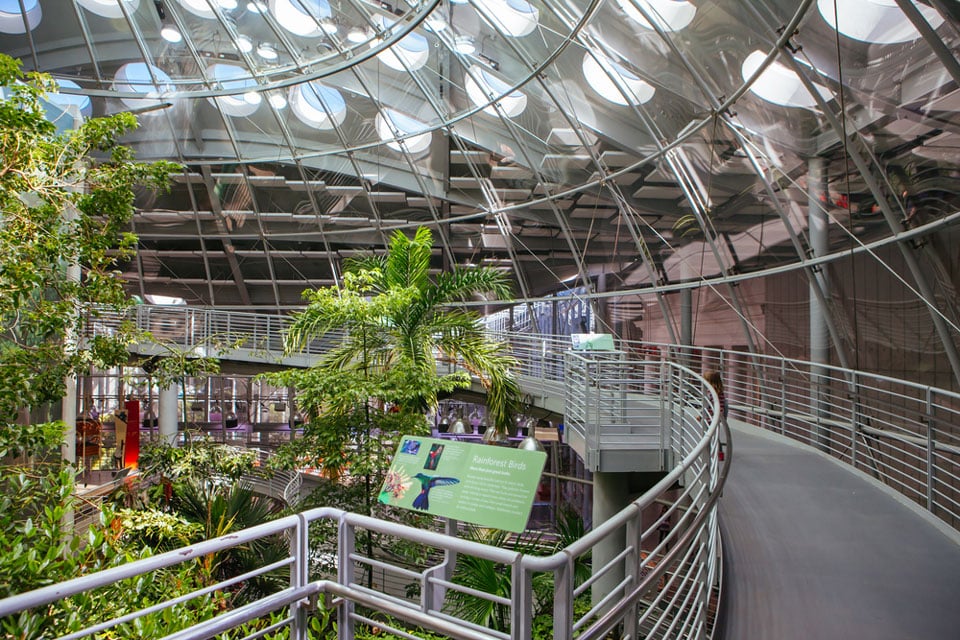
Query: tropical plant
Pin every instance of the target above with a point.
(201, 486)
(486, 576)
(67, 198)
(396, 318)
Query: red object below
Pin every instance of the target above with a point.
(131, 451)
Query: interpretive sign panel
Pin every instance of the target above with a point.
(478, 483)
(592, 341)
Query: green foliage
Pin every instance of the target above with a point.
(65, 198)
(156, 529)
(358, 442)
(489, 577)
(200, 460)
(396, 319)
(42, 553)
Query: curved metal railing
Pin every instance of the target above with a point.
(901, 433)
(653, 587)
(282, 484)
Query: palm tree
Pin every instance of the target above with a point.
(399, 322)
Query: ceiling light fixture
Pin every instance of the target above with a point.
(464, 45)
(252, 97)
(171, 34)
(329, 26)
(267, 51)
(227, 5)
(435, 23)
(257, 7)
(358, 34)
(277, 101)
(244, 44)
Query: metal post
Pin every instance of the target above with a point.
(346, 544)
(854, 418)
(167, 421)
(633, 570)
(819, 333)
(563, 601)
(433, 597)
(299, 577)
(686, 316)
(521, 609)
(931, 447)
(783, 397)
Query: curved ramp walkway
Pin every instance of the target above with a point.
(816, 551)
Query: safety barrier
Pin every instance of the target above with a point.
(652, 587)
(901, 433)
(896, 431)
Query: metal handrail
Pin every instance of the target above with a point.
(687, 556)
(845, 413)
(898, 431)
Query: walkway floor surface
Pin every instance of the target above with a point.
(816, 551)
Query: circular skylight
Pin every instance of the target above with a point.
(138, 77)
(512, 17)
(779, 84)
(318, 105)
(412, 50)
(107, 8)
(876, 21)
(11, 20)
(233, 77)
(615, 83)
(301, 17)
(66, 100)
(401, 125)
(200, 8)
(482, 87)
(669, 15)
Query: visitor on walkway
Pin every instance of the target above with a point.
(663, 529)
(713, 377)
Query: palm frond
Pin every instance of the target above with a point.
(463, 284)
(369, 262)
(408, 262)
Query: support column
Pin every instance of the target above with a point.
(819, 331)
(611, 494)
(603, 323)
(68, 413)
(168, 418)
(686, 315)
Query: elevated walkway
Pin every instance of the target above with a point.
(813, 549)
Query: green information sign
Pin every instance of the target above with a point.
(592, 341)
(478, 483)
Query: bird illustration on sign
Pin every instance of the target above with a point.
(422, 500)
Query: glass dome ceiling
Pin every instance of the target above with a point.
(621, 147)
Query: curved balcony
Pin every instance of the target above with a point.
(898, 436)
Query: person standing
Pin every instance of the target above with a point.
(663, 529)
(713, 377)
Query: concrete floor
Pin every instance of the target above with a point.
(815, 551)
